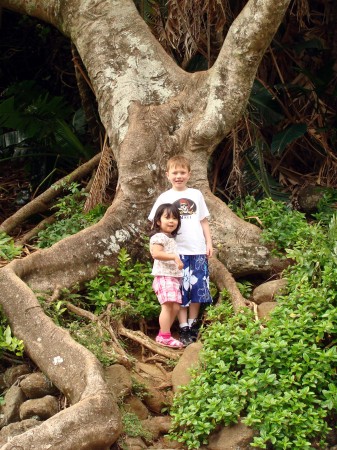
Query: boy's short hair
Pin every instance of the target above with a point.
(178, 161)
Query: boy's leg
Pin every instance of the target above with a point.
(184, 330)
(182, 315)
(193, 311)
(199, 292)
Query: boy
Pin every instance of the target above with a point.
(194, 244)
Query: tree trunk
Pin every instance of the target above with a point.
(151, 110)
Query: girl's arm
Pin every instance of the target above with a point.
(157, 252)
(207, 233)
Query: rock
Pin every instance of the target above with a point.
(266, 292)
(157, 425)
(165, 444)
(133, 443)
(308, 197)
(14, 373)
(153, 379)
(189, 359)
(242, 260)
(14, 398)
(264, 310)
(235, 437)
(136, 406)
(41, 408)
(152, 372)
(155, 400)
(118, 380)
(37, 385)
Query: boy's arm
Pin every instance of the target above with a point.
(207, 233)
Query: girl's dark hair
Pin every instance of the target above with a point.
(171, 209)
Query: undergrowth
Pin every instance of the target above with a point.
(128, 287)
(70, 216)
(279, 378)
(125, 291)
(8, 249)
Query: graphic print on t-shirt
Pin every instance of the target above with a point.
(186, 207)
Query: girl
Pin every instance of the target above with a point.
(167, 270)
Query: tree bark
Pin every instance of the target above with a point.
(151, 110)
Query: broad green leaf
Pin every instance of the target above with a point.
(281, 140)
(262, 102)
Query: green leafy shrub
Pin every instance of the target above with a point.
(279, 379)
(326, 207)
(282, 226)
(130, 284)
(71, 218)
(8, 250)
(10, 343)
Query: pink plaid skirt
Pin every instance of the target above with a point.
(167, 289)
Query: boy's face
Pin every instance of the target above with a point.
(178, 176)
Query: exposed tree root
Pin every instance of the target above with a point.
(121, 356)
(42, 202)
(224, 280)
(145, 341)
(34, 231)
(93, 419)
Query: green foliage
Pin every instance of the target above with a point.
(8, 250)
(10, 343)
(41, 121)
(139, 389)
(41, 133)
(326, 207)
(245, 287)
(133, 427)
(280, 379)
(71, 218)
(128, 286)
(283, 138)
(281, 225)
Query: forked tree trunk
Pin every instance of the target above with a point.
(151, 110)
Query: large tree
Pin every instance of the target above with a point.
(151, 109)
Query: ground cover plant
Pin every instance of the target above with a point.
(278, 376)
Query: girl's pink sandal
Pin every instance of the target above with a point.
(170, 342)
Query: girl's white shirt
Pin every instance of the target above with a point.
(165, 268)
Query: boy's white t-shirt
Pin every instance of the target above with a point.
(191, 204)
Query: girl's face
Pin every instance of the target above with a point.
(167, 223)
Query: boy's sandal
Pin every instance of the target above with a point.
(170, 342)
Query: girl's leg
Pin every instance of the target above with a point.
(169, 311)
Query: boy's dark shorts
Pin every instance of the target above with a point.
(195, 284)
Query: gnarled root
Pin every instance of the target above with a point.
(224, 280)
(93, 420)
